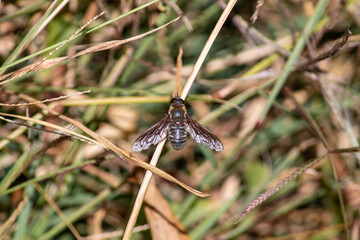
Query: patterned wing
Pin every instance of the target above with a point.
(203, 135)
(153, 135)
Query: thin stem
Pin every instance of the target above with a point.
(145, 183)
(140, 197)
(206, 48)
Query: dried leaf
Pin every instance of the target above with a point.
(163, 223)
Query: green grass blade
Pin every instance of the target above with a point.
(76, 215)
(47, 175)
(23, 11)
(23, 218)
(14, 172)
(310, 25)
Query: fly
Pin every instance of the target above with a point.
(176, 125)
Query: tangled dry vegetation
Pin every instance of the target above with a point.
(80, 80)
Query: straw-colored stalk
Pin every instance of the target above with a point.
(145, 183)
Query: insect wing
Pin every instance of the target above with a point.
(153, 135)
(203, 135)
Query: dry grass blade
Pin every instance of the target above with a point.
(177, 9)
(148, 175)
(338, 45)
(115, 233)
(139, 199)
(36, 128)
(116, 43)
(103, 142)
(44, 101)
(142, 191)
(96, 48)
(63, 131)
(207, 47)
(254, 17)
(61, 135)
(178, 86)
(113, 100)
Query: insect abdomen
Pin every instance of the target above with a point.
(178, 136)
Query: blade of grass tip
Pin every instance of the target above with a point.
(178, 86)
(141, 194)
(207, 47)
(294, 56)
(47, 124)
(248, 222)
(48, 19)
(245, 225)
(148, 175)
